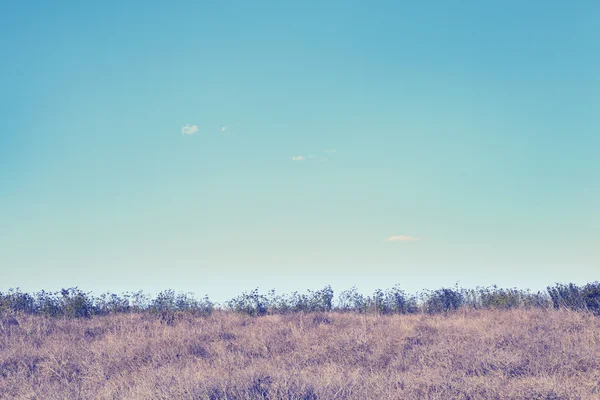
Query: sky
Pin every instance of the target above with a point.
(215, 147)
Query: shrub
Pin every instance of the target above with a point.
(320, 300)
(567, 296)
(167, 304)
(443, 300)
(500, 298)
(164, 301)
(140, 301)
(280, 304)
(591, 297)
(111, 303)
(252, 303)
(352, 300)
(76, 304)
(17, 301)
(48, 304)
(395, 301)
(537, 299)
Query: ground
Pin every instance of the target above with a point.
(487, 354)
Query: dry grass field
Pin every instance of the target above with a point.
(485, 354)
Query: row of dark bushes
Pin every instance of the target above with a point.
(397, 301)
(74, 303)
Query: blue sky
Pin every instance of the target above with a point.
(341, 143)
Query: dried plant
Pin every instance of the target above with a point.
(516, 353)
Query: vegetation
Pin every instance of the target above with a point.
(500, 352)
(457, 343)
(74, 303)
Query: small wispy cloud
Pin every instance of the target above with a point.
(189, 129)
(401, 238)
(223, 129)
(330, 150)
(312, 156)
(298, 158)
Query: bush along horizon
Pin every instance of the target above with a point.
(168, 305)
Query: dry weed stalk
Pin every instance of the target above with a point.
(476, 354)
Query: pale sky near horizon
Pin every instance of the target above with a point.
(215, 147)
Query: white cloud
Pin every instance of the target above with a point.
(223, 129)
(189, 129)
(298, 158)
(401, 238)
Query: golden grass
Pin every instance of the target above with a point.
(518, 354)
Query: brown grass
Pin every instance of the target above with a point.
(519, 354)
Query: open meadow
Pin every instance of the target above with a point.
(467, 354)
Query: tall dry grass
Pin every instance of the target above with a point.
(486, 354)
